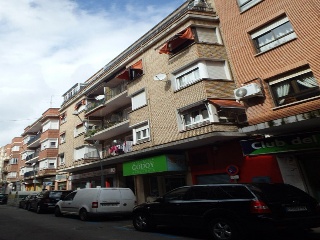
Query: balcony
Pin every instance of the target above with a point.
(114, 126)
(35, 141)
(117, 149)
(115, 98)
(30, 174)
(32, 157)
(47, 171)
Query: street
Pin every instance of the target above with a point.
(20, 224)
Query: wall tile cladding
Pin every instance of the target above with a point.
(163, 101)
(304, 17)
(48, 153)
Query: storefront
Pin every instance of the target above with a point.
(95, 178)
(156, 175)
(225, 163)
(298, 157)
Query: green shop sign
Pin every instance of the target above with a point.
(162, 163)
(292, 143)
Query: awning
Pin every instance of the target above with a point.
(125, 75)
(177, 40)
(226, 103)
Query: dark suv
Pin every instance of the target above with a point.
(45, 201)
(230, 211)
(3, 198)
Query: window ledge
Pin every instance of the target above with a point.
(295, 103)
(258, 54)
(142, 141)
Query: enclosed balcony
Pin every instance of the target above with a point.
(34, 141)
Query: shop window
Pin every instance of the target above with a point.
(273, 35)
(296, 86)
(139, 100)
(246, 4)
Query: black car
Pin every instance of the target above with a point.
(3, 198)
(230, 211)
(24, 202)
(45, 201)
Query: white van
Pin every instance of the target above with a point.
(89, 202)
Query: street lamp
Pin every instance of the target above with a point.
(34, 176)
(95, 145)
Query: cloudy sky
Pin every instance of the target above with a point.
(46, 46)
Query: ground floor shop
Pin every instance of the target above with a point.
(297, 155)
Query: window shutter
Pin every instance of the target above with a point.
(139, 100)
(216, 70)
(207, 35)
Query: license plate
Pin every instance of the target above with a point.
(296, 209)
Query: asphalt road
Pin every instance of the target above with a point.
(20, 224)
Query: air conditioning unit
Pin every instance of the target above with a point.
(248, 91)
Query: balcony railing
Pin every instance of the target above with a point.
(35, 138)
(31, 156)
(116, 90)
(95, 104)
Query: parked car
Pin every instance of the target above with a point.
(90, 202)
(45, 201)
(3, 198)
(24, 202)
(230, 211)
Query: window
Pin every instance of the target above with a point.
(195, 117)
(63, 117)
(13, 161)
(208, 35)
(62, 138)
(294, 87)
(178, 42)
(12, 174)
(210, 70)
(49, 143)
(61, 159)
(246, 4)
(79, 130)
(138, 100)
(187, 78)
(141, 133)
(274, 34)
(51, 124)
(15, 148)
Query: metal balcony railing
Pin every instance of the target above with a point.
(116, 90)
(95, 104)
(33, 139)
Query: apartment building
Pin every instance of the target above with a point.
(39, 152)
(4, 160)
(273, 47)
(11, 165)
(160, 115)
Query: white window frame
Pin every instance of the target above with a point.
(271, 29)
(200, 121)
(246, 4)
(13, 161)
(139, 99)
(291, 87)
(141, 132)
(62, 138)
(78, 130)
(47, 143)
(205, 70)
(50, 124)
(15, 148)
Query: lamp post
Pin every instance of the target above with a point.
(34, 176)
(76, 113)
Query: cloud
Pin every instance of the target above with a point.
(48, 46)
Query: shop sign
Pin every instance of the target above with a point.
(292, 143)
(162, 163)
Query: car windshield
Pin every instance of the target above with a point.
(55, 195)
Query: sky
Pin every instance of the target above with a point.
(47, 46)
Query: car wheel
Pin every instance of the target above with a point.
(57, 212)
(38, 210)
(83, 214)
(223, 229)
(142, 222)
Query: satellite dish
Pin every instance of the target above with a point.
(160, 77)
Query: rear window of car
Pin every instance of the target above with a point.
(55, 195)
(278, 192)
